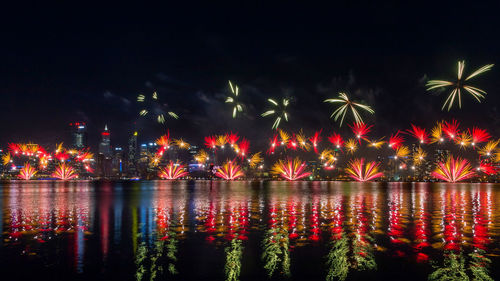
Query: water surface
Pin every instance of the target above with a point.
(213, 230)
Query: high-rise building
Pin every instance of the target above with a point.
(104, 161)
(117, 162)
(78, 135)
(132, 155)
(105, 144)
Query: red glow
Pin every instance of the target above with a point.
(419, 133)
(451, 129)
(273, 144)
(315, 139)
(396, 140)
(336, 140)
(360, 130)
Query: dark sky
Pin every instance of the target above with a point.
(66, 63)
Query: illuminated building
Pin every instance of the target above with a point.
(105, 144)
(104, 161)
(117, 162)
(78, 135)
(132, 155)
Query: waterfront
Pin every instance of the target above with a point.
(207, 230)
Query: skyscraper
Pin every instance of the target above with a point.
(105, 144)
(78, 135)
(132, 155)
(104, 163)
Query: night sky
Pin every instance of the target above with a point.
(65, 63)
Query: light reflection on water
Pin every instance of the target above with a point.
(130, 231)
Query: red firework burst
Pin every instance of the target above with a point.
(232, 138)
(487, 168)
(479, 136)
(336, 140)
(273, 144)
(396, 140)
(211, 142)
(244, 146)
(360, 130)
(451, 129)
(315, 139)
(419, 133)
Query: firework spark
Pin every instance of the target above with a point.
(302, 141)
(211, 142)
(229, 171)
(463, 139)
(497, 157)
(157, 108)
(351, 145)
(6, 158)
(336, 140)
(27, 172)
(479, 136)
(234, 99)
(255, 160)
(290, 169)
(280, 111)
(244, 146)
(346, 105)
(164, 141)
(284, 137)
(64, 172)
(180, 143)
(327, 157)
(44, 161)
(460, 85)
(84, 155)
(221, 140)
(418, 156)
(451, 129)
(315, 139)
(437, 133)
(488, 149)
(173, 171)
(396, 140)
(61, 156)
(487, 168)
(360, 130)
(453, 170)
(292, 144)
(13, 148)
(402, 152)
(201, 157)
(376, 143)
(273, 144)
(419, 133)
(232, 139)
(358, 171)
(155, 159)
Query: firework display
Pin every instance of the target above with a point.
(460, 85)
(453, 170)
(279, 109)
(421, 157)
(360, 171)
(229, 171)
(346, 105)
(27, 172)
(414, 153)
(154, 106)
(233, 99)
(290, 169)
(65, 172)
(172, 171)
